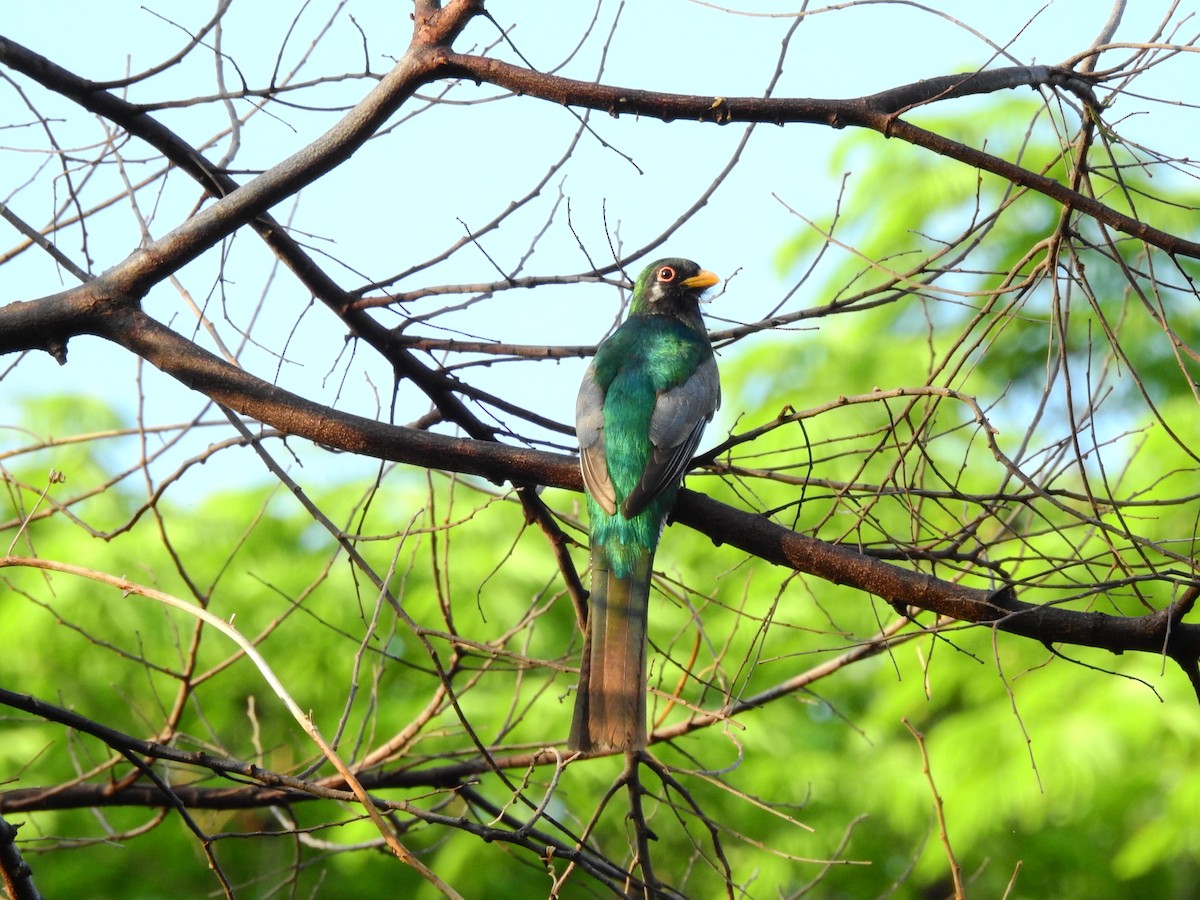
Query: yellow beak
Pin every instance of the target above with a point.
(704, 279)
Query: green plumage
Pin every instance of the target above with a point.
(642, 407)
(643, 359)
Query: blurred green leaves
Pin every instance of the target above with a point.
(989, 398)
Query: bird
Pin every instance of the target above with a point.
(643, 404)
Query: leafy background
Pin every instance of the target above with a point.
(1062, 772)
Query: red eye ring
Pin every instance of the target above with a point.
(666, 274)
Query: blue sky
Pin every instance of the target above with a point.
(407, 196)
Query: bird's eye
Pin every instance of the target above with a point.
(666, 274)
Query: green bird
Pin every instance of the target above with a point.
(644, 402)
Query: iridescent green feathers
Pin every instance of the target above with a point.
(642, 406)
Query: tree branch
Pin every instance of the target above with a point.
(877, 112)
(241, 391)
(18, 877)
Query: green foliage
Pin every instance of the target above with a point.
(1094, 803)
(892, 214)
(1080, 776)
(1074, 774)
(254, 559)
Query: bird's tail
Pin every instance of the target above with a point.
(610, 707)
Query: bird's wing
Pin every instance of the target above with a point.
(676, 424)
(589, 427)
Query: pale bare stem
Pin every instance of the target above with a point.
(943, 834)
(52, 479)
(305, 721)
(882, 642)
(294, 605)
(369, 634)
(1012, 882)
(64, 506)
(1012, 699)
(37, 238)
(399, 745)
(559, 764)
(829, 866)
(439, 550)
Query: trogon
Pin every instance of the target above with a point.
(642, 406)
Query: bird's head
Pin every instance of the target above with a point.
(670, 287)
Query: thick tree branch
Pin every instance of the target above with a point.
(271, 789)
(878, 112)
(52, 320)
(1153, 633)
(17, 876)
(153, 263)
(268, 403)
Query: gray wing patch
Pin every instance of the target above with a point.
(589, 428)
(676, 425)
